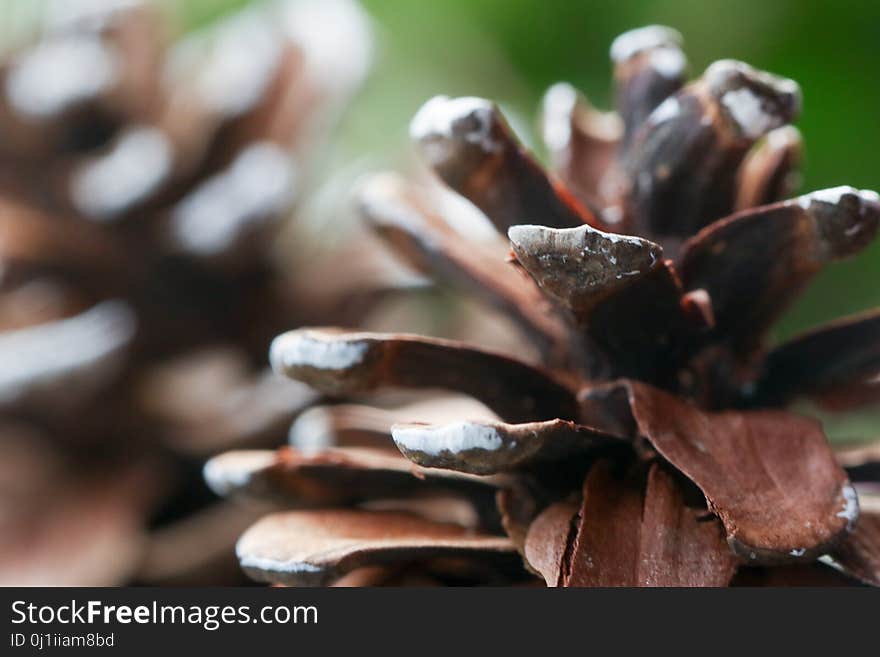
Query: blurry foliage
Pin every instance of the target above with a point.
(511, 50)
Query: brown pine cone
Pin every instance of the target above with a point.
(143, 184)
(651, 446)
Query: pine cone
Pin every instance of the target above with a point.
(652, 445)
(143, 185)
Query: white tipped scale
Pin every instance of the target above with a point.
(756, 101)
(721, 72)
(453, 438)
(443, 121)
(471, 147)
(233, 471)
(834, 195)
(624, 252)
(665, 111)
(230, 65)
(558, 106)
(68, 357)
(313, 430)
(661, 45)
(336, 39)
(847, 218)
(668, 62)
(303, 348)
(631, 43)
(138, 164)
(221, 212)
(438, 116)
(485, 448)
(562, 105)
(746, 109)
(54, 76)
(311, 548)
(302, 572)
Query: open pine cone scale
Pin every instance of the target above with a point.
(651, 446)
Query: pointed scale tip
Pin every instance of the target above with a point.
(231, 471)
(755, 101)
(866, 198)
(444, 120)
(579, 266)
(319, 357)
(631, 43)
(847, 218)
(562, 106)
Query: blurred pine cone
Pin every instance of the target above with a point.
(652, 445)
(142, 188)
